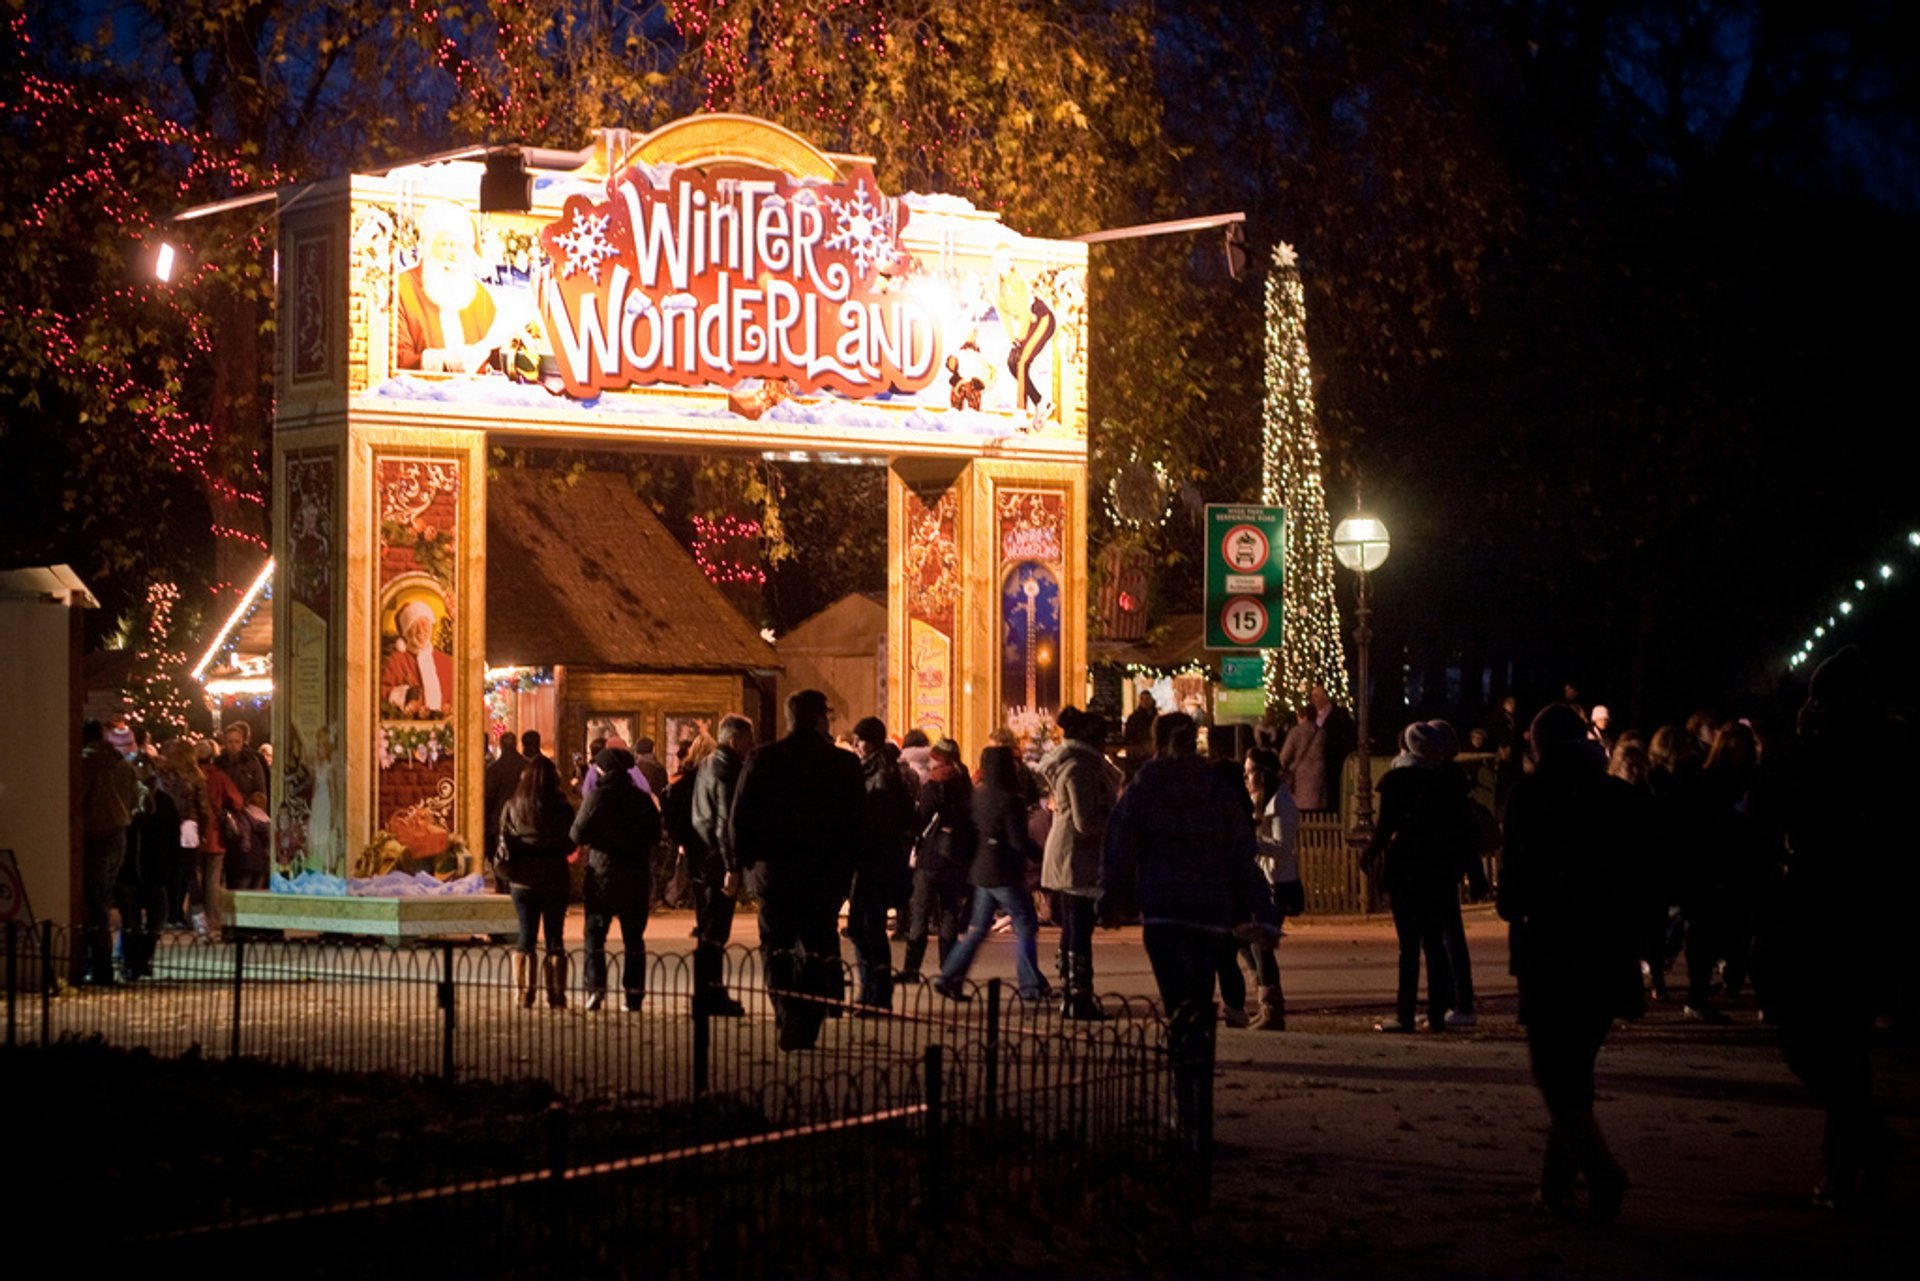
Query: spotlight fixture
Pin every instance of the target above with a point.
(506, 186)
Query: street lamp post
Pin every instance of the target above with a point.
(1361, 544)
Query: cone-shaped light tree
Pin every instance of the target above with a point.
(1310, 651)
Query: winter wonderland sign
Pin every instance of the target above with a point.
(718, 281)
(695, 278)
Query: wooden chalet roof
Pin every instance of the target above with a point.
(586, 575)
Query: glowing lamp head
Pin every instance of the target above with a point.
(1361, 543)
(163, 263)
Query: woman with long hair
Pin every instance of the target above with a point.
(534, 839)
(941, 857)
(1002, 850)
(1277, 838)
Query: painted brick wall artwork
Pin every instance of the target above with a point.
(932, 583)
(1032, 535)
(416, 572)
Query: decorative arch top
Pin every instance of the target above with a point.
(726, 138)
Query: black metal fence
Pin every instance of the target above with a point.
(662, 1140)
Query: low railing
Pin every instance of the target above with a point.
(673, 1140)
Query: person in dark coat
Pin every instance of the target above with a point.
(503, 774)
(1567, 885)
(536, 835)
(140, 891)
(998, 873)
(618, 825)
(881, 863)
(796, 825)
(942, 853)
(1423, 840)
(1844, 895)
(1181, 839)
(713, 864)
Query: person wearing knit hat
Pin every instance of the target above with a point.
(619, 825)
(1569, 902)
(1418, 853)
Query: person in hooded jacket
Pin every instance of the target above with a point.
(1423, 839)
(1084, 786)
(998, 873)
(618, 825)
(1567, 885)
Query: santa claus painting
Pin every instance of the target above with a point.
(450, 322)
(416, 680)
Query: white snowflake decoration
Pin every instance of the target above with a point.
(860, 231)
(585, 242)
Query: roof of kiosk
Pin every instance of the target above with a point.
(584, 574)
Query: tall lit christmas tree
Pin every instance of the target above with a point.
(1310, 651)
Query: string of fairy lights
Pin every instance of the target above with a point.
(70, 332)
(1851, 599)
(1290, 476)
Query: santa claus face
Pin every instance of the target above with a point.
(449, 262)
(419, 632)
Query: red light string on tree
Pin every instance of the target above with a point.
(710, 534)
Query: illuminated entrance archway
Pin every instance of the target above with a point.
(719, 285)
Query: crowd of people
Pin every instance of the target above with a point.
(1613, 856)
(168, 831)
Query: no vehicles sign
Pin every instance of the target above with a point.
(1246, 552)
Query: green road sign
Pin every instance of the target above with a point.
(1243, 671)
(1246, 547)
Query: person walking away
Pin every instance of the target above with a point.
(1233, 979)
(1303, 762)
(881, 864)
(1823, 938)
(1453, 930)
(796, 824)
(998, 872)
(502, 776)
(618, 825)
(224, 804)
(1084, 786)
(1179, 837)
(1743, 841)
(713, 865)
(941, 856)
(536, 836)
(1277, 846)
(147, 873)
(109, 795)
(1567, 897)
(180, 777)
(1420, 844)
(1652, 894)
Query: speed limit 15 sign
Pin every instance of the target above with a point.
(1246, 555)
